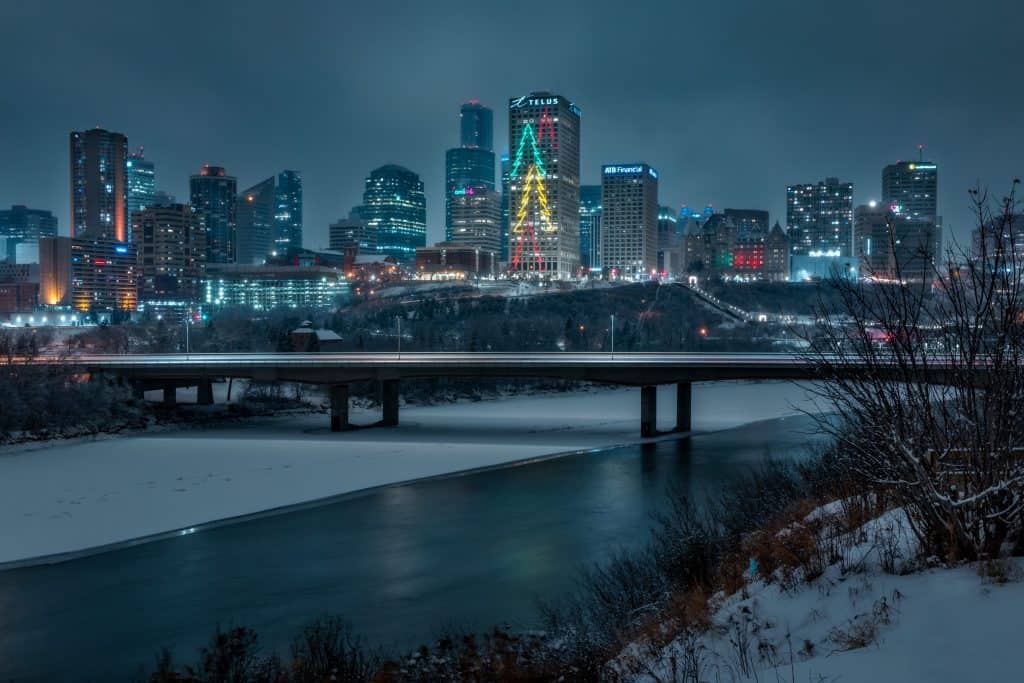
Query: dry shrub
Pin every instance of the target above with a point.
(1000, 571)
(498, 656)
(790, 549)
(863, 629)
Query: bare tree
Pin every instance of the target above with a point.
(927, 383)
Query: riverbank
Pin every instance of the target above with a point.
(67, 498)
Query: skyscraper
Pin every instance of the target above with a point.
(99, 189)
(476, 124)
(141, 182)
(288, 211)
(171, 251)
(819, 218)
(910, 189)
(255, 223)
(213, 197)
(544, 186)
(395, 210)
(20, 225)
(912, 186)
(629, 220)
(470, 166)
(590, 227)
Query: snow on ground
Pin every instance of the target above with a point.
(65, 497)
(942, 625)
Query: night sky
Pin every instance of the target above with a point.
(729, 100)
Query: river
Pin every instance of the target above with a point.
(400, 563)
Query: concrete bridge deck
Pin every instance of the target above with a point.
(338, 370)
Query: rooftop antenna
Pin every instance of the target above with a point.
(920, 152)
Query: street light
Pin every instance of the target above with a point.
(188, 325)
(613, 336)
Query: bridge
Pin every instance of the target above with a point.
(337, 371)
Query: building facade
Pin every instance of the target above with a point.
(103, 275)
(466, 168)
(171, 252)
(454, 260)
(288, 211)
(670, 252)
(776, 255)
(22, 225)
(544, 186)
(213, 196)
(141, 182)
(255, 222)
(268, 287)
(99, 185)
(506, 166)
(346, 234)
(395, 210)
(590, 228)
(475, 218)
(55, 271)
(819, 218)
(892, 246)
(629, 221)
(910, 188)
(751, 224)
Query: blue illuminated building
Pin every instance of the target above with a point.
(141, 182)
(395, 210)
(470, 165)
(288, 211)
(590, 227)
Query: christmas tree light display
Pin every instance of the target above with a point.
(534, 195)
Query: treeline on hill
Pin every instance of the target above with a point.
(43, 402)
(48, 401)
(793, 298)
(648, 317)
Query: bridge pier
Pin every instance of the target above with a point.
(389, 402)
(138, 390)
(684, 406)
(648, 411)
(204, 392)
(339, 407)
(170, 395)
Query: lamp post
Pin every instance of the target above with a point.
(613, 336)
(399, 319)
(188, 325)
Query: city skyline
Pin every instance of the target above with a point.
(728, 138)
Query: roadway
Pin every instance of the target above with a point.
(634, 369)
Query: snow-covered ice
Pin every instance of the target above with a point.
(66, 497)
